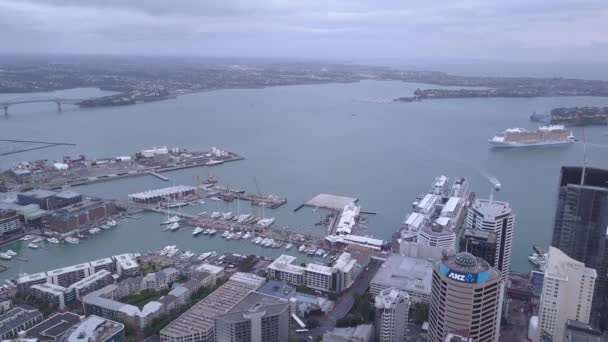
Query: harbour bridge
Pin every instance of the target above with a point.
(57, 100)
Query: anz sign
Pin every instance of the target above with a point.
(463, 277)
(474, 278)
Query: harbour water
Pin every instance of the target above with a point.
(299, 141)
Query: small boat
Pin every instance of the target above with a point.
(257, 240)
(269, 243)
(202, 213)
(5, 256)
(112, 223)
(33, 245)
(212, 232)
(288, 246)
(246, 236)
(201, 202)
(238, 236)
(206, 231)
(226, 216)
(215, 198)
(311, 251)
(11, 252)
(94, 231)
(72, 240)
(105, 226)
(302, 249)
(173, 227)
(52, 240)
(171, 220)
(215, 214)
(197, 231)
(225, 234)
(38, 240)
(230, 236)
(27, 237)
(319, 252)
(243, 218)
(325, 254)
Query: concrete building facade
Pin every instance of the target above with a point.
(466, 299)
(392, 309)
(567, 294)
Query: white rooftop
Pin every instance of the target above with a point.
(31, 277)
(492, 209)
(558, 263)
(161, 192)
(69, 269)
(405, 273)
(316, 268)
(284, 263)
(415, 220)
(451, 205)
(210, 268)
(428, 202)
(100, 262)
(334, 202)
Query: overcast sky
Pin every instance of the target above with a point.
(558, 30)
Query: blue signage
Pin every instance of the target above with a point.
(475, 278)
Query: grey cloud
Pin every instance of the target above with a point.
(494, 29)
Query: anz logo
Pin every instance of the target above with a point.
(465, 278)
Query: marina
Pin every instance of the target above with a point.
(358, 166)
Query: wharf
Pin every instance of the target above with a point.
(268, 201)
(159, 176)
(326, 201)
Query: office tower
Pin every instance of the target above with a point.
(497, 217)
(581, 218)
(392, 308)
(567, 294)
(257, 318)
(480, 243)
(465, 299)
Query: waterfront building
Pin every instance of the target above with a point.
(581, 218)
(53, 294)
(282, 268)
(16, 319)
(45, 199)
(126, 265)
(480, 243)
(77, 216)
(155, 196)
(336, 278)
(466, 299)
(411, 275)
(67, 276)
(567, 294)
(256, 318)
(98, 329)
(9, 222)
(103, 264)
(91, 283)
(360, 333)
(278, 289)
(347, 219)
(24, 282)
(497, 217)
(54, 327)
(392, 308)
(197, 324)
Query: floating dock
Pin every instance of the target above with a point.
(268, 201)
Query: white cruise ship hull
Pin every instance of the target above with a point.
(516, 144)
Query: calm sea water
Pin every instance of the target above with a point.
(299, 141)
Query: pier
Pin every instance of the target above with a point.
(268, 201)
(159, 176)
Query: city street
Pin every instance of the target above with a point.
(345, 302)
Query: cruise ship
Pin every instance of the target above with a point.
(521, 137)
